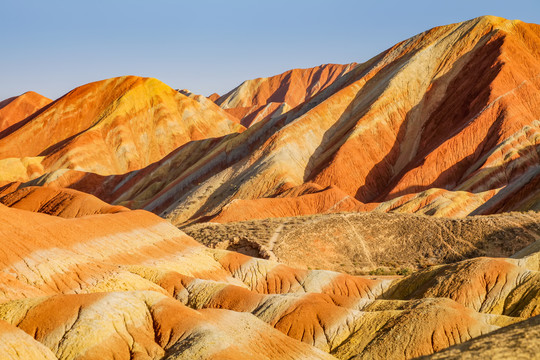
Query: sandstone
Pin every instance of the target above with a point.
(114, 126)
(16, 109)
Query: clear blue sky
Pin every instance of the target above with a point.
(53, 46)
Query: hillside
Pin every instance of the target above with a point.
(109, 127)
(166, 296)
(259, 99)
(380, 210)
(14, 110)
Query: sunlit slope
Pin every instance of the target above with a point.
(446, 123)
(454, 108)
(14, 110)
(112, 127)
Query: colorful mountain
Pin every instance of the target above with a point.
(110, 127)
(320, 213)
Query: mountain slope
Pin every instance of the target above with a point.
(444, 123)
(455, 107)
(166, 296)
(65, 203)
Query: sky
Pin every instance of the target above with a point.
(209, 46)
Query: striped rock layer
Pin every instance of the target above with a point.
(109, 127)
(129, 285)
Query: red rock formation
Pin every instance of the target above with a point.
(418, 116)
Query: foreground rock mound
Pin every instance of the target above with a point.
(166, 296)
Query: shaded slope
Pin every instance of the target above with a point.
(517, 341)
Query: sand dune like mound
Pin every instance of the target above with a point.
(167, 296)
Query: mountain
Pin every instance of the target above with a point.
(65, 203)
(444, 123)
(110, 127)
(347, 193)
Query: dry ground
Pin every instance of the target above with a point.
(376, 243)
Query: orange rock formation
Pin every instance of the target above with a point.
(384, 130)
(260, 99)
(16, 109)
(444, 123)
(110, 127)
(164, 294)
